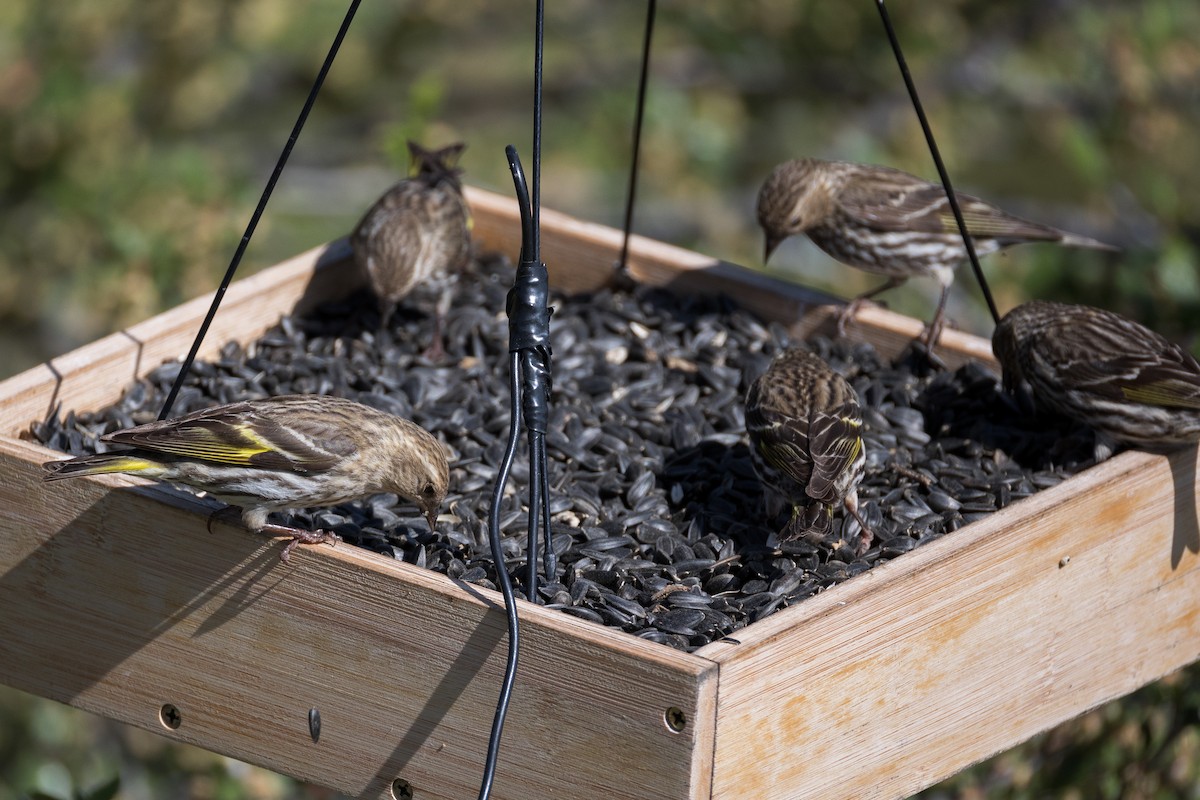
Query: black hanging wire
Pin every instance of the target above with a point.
(529, 329)
(529, 397)
(258, 211)
(510, 602)
(651, 10)
(937, 160)
(529, 337)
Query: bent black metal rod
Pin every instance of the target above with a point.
(529, 334)
(258, 211)
(510, 601)
(937, 160)
(529, 365)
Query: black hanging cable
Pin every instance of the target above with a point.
(529, 365)
(651, 9)
(529, 327)
(510, 601)
(937, 160)
(535, 190)
(258, 211)
(548, 562)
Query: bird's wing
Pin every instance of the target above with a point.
(1131, 378)
(1114, 358)
(240, 435)
(782, 442)
(901, 202)
(393, 208)
(835, 443)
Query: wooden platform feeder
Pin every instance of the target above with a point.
(114, 598)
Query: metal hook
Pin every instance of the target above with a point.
(522, 189)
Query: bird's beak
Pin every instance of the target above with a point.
(772, 243)
(431, 518)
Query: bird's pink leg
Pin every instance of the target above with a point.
(299, 536)
(865, 536)
(934, 331)
(852, 308)
(437, 350)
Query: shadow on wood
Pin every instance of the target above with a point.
(116, 600)
(1187, 527)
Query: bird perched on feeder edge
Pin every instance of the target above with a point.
(293, 451)
(805, 426)
(417, 230)
(1129, 384)
(890, 223)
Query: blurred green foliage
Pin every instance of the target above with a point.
(135, 137)
(1143, 747)
(48, 750)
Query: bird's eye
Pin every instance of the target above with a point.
(795, 221)
(428, 490)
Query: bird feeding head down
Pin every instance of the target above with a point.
(1006, 347)
(420, 473)
(796, 196)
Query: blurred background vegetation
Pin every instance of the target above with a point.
(136, 136)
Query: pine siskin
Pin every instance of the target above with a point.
(890, 223)
(1126, 382)
(419, 228)
(295, 451)
(805, 429)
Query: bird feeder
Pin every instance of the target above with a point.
(116, 598)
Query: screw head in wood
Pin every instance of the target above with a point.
(314, 723)
(169, 716)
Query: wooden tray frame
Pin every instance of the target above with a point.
(114, 598)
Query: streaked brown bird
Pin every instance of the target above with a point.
(890, 223)
(418, 230)
(293, 451)
(805, 426)
(1129, 384)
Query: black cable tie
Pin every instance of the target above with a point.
(528, 309)
(535, 389)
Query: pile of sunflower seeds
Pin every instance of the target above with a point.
(658, 520)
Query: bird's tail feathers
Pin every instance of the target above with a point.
(812, 522)
(1074, 240)
(99, 464)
